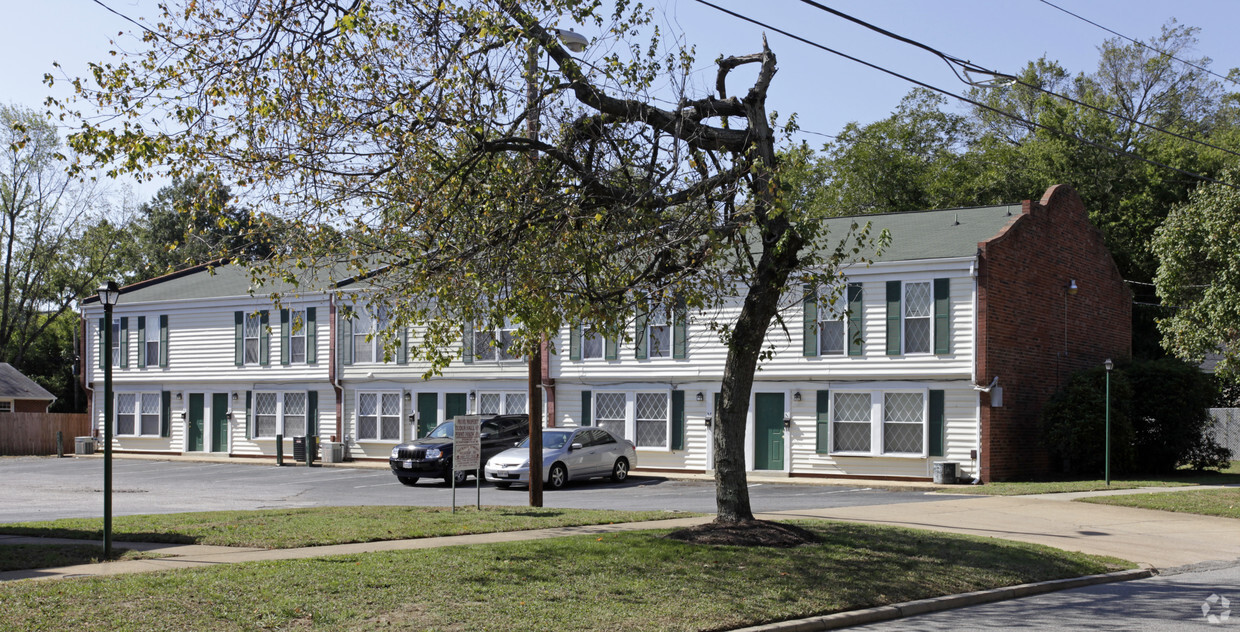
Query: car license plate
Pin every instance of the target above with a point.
(507, 475)
(408, 465)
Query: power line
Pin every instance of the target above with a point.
(968, 67)
(1138, 42)
(1114, 150)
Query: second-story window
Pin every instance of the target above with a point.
(832, 325)
(660, 333)
(297, 336)
(592, 343)
(253, 338)
(116, 342)
(918, 312)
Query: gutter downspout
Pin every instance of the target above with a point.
(331, 369)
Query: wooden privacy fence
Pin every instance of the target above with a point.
(35, 433)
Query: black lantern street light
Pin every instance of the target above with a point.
(108, 294)
(1109, 365)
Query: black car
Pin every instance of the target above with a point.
(431, 456)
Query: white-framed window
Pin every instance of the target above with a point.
(886, 422)
(367, 335)
(610, 412)
(850, 422)
(593, 343)
(503, 403)
(6, 406)
(282, 413)
(918, 316)
(832, 327)
(378, 415)
(659, 333)
(253, 337)
(116, 342)
(137, 414)
(297, 336)
(491, 344)
(904, 423)
(150, 344)
(651, 417)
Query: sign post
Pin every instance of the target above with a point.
(467, 452)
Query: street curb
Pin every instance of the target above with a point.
(948, 602)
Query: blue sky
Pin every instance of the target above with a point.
(827, 92)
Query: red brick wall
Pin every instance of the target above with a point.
(30, 405)
(1032, 334)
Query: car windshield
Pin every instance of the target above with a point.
(551, 440)
(443, 430)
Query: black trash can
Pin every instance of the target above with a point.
(299, 449)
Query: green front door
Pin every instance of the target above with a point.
(428, 412)
(454, 404)
(194, 424)
(219, 422)
(768, 449)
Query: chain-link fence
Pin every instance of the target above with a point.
(1227, 429)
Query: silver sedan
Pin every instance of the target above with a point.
(568, 454)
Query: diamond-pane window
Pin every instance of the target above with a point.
(367, 416)
(902, 423)
(918, 312)
(126, 403)
(652, 419)
(850, 422)
(297, 336)
(265, 414)
(592, 343)
(253, 325)
(488, 403)
(150, 414)
(609, 412)
(389, 426)
(294, 414)
(514, 403)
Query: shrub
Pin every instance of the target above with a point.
(1171, 415)
(1074, 424)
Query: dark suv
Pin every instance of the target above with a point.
(431, 456)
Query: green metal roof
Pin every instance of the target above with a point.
(938, 234)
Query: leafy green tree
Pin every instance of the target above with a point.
(1171, 415)
(422, 142)
(56, 247)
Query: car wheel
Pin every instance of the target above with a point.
(503, 485)
(620, 471)
(460, 476)
(408, 480)
(558, 476)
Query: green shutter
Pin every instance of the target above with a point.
(239, 338)
(165, 413)
(855, 315)
(103, 353)
(678, 420)
(284, 337)
(824, 422)
(141, 341)
(641, 346)
(587, 404)
(467, 343)
(809, 323)
(942, 316)
(163, 340)
(680, 330)
(264, 338)
(249, 396)
(402, 354)
(937, 414)
(312, 413)
(612, 345)
(893, 318)
(574, 342)
(124, 342)
(346, 342)
(312, 336)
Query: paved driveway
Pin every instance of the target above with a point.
(50, 488)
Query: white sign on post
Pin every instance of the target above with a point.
(467, 444)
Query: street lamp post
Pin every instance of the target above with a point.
(1109, 365)
(108, 293)
(576, 43)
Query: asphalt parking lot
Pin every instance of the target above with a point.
(49, 488)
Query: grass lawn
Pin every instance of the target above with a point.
(1209, 502)
(19, 557)
(318, 526)
(624, 581)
